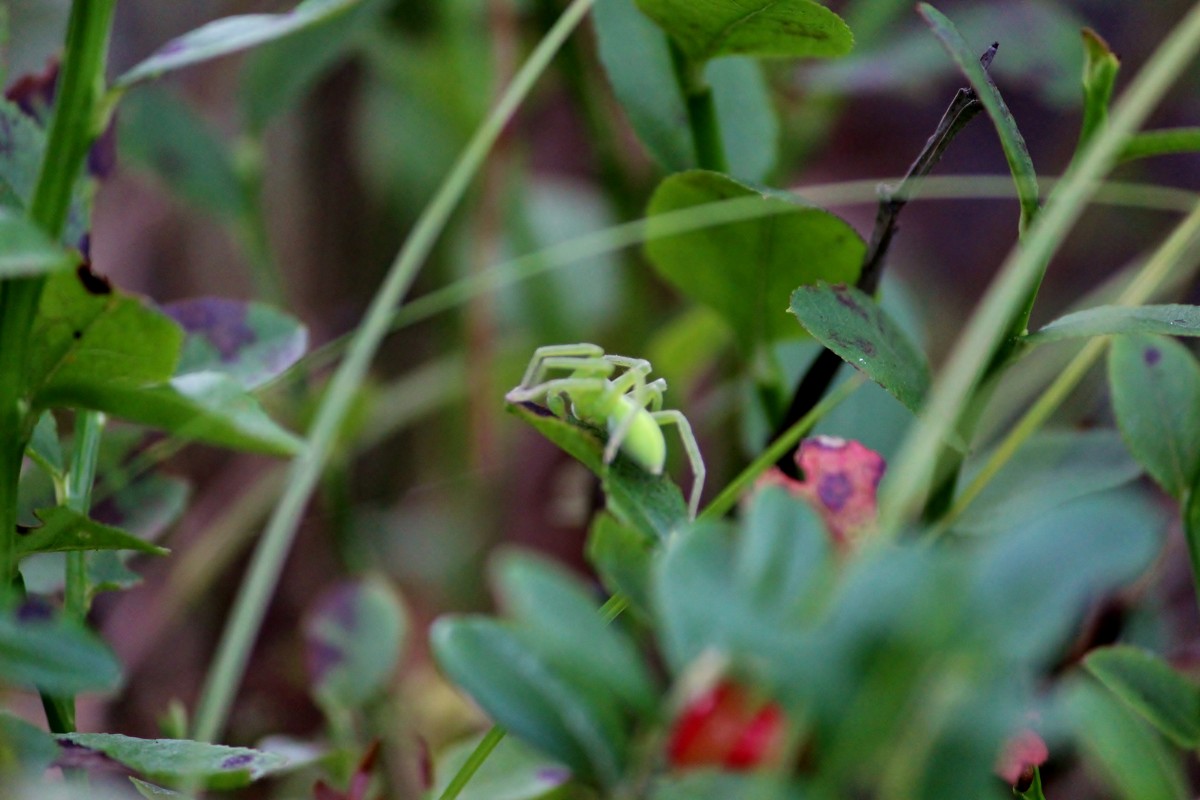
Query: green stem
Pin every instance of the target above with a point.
(702, 111)
(72, 129)
(474, 761)
(305, 471)
(89, 428)
(729, 496)
(912, 467)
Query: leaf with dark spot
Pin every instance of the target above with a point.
(851, 324)
(177, 761)
(250, 342)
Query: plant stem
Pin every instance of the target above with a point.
(784, 443)
(304, 472)
(71, 131)
(1185, 237)
(474, 761)
(702, 110)
(1021, 271)
(819, 376)
(89, 427)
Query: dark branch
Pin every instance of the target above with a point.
(821, 373)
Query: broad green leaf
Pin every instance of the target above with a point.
(741, 594)
(851, 324)
(175, 761)
(1100, 68)
(650, 503)
(55, 655)
(24, 747)
(709, 784)
(204, 407)
(64, 530)
(523, 693)
(1171, 141)
(1133, 759)
(354, 638)
(161, 134)
(749, 125)
(1155, 384)
(1168, 320)
(708, 29)
(1011, 140)
(44, 446)
(1148, 685)
(568, 630)
(230, 35)
(637, 60)
(1028, 586)
(623, 557)
(92, 337)
(276, 75)
(512, 772)
(26, 251)
(747, 270)
(1050, 470)
(249, 342)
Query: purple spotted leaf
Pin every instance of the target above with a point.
(170, 761)
(231, 35)
(354, 636)
(841, 481)
(249, 342)
(851, 324)
(1155, 385)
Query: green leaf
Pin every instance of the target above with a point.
(92, 337)
(1149, 686)
(1100, 68)
(523, 693)
(354, 638)
(277, 75)
(161, 134)
(177, 761)
(512, 772)
(204, 407)
(250, 342)
(637, 60)
(1155, 384)
(1172, 141)
(24, 747)
(1029, 585)
(44, 446)
(57, 656)
(1011, 140)
(851, 324)
(1132, 757)
(1168, 320)
(26, 251)
(230, 35)
(652, 504)
(1050, 470)
(741, 595)
(623, 557)
(709, 784)
(64, 530)
(708, 29)
(747, 270)
(568, 630)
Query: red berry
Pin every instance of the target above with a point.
(725, 726)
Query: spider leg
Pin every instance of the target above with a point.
(535, 385)
(535, 371)
(692, 448)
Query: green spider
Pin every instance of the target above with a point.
(625, 404)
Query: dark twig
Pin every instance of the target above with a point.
(820, 374)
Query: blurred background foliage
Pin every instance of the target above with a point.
(292, 174)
